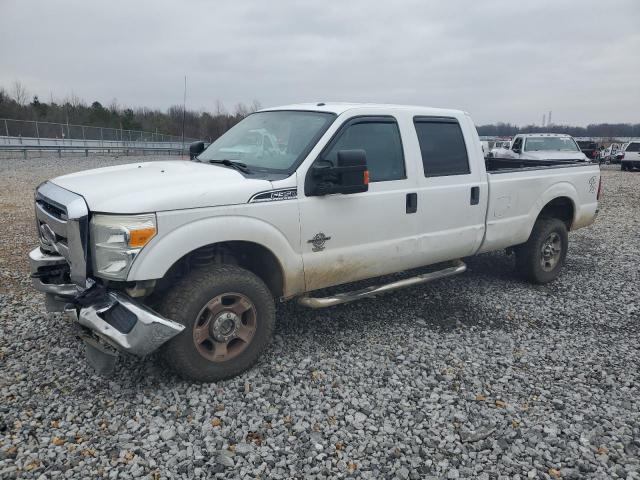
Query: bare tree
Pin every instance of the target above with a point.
(75, 101)
(241, 110)
(219, 108)
(255, 106)
(20, 94)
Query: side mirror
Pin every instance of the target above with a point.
(349, 176)
(195, 149)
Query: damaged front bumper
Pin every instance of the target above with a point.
(111, 315)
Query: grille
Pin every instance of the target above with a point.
(57, 212)
(62, 221)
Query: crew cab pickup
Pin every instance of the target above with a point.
(189, 257)
(542, 146)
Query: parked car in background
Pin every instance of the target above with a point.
(589, 148)
(612, 154)
(630, 158)
(498, 146)
(541, 146)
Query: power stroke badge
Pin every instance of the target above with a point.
(275, 195)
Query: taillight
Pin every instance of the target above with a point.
(622, 156)
(600, 190)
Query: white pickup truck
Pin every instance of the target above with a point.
(630, 156)
(189, 257)
(542, 146)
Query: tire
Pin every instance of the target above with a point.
(622, 167)
(548, 245)
(205, 299)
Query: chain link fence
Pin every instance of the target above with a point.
(29, 132)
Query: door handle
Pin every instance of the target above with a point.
(475, 195)
(412, 202)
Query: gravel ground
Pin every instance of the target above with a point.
(479, 376)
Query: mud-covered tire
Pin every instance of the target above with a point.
(184, 303)
(530, 256)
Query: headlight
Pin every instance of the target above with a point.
(116, 240)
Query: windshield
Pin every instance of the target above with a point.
(633, 147)
(270, 141)
(560, 144)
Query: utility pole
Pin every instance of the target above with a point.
(550, 118)
(544, 118)
(184, 111)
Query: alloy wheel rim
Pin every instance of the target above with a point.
(550, 252)
(225, 327)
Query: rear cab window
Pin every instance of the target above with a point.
(442, 146)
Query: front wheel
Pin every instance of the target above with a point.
(229, 315)
(541, 258)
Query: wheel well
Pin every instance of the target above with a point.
(251, 256)
(561, 208)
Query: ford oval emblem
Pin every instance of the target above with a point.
(47, 234)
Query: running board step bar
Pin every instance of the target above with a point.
(311, 302)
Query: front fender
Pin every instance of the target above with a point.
(186, 235)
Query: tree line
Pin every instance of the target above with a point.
(593, 130)
(17, 103)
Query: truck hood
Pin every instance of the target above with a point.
(158, 186)
(553, 155)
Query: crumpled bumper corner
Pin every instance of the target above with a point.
(126, 324)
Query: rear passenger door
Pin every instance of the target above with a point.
(452, 190)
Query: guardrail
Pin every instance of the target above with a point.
(29, 135)
(134, 147)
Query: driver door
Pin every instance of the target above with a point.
(349, 237)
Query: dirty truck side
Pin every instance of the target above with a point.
(189, 257)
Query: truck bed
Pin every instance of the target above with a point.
(519, 188)
(504, 165)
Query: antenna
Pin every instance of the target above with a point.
(184, 110)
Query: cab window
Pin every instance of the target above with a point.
(380, 139)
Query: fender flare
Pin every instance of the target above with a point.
(557, 190)
(162, 252)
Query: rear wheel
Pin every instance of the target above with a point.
(229, 315)
(541, 258)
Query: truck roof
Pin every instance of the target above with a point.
(542, 135)
(340, 107)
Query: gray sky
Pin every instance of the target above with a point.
(505, 60)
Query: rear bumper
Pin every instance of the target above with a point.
(631, 163)
(125, 324)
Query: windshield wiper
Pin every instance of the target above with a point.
(241, 167)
